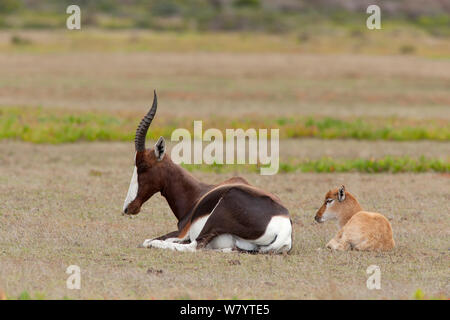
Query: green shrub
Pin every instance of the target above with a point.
(9, 6)
(18, 40)
(328, 165)
(247, 3)
(24, 296)
(407, 49)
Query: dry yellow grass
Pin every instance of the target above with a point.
(60, 205)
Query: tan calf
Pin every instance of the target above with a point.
(360, 230)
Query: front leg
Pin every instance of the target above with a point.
(337, 245)
(161, 244)
(171, 236)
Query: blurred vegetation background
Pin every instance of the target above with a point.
(310, 68)
(344, 98)
(272, 16)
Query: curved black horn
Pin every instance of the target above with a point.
(141, 131)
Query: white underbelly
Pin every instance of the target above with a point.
(229, 241)
(277, 236)
(224, 241)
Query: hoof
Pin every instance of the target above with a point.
(146, 244)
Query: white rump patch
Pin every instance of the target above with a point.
(279, 233)
(132, 189)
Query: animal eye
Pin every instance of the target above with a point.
(329, 201)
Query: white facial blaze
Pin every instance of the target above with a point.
(132, 189)
(329, 204)
(329, 213)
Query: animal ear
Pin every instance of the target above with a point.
(160, 148)
(341, 193)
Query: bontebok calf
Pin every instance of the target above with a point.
(360, 230)
(227, 216)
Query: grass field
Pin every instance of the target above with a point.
(69, 105)
(201, 83)
(68, 212)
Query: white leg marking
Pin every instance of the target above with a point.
(175, 240)
(147, 242)
(222, 241)
(190, 247)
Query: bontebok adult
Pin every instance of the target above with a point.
(232, 215)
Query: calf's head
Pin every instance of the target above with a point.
(148, 175)
(336, 204)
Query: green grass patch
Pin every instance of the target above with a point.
(42, 125)
(361, 129)
(420, 295)
(39, 125)
(24, 296)
(386, 164)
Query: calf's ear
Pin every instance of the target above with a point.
(341, 193)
